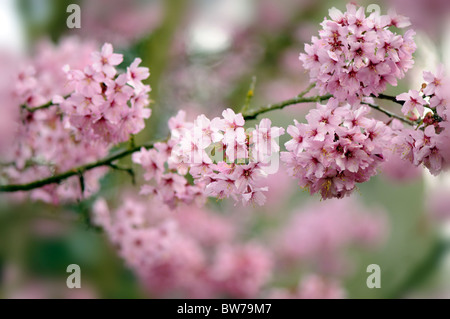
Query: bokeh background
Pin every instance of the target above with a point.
(202, 55)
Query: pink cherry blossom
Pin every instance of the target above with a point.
(152, 161)
(106, 60)
(44, 142)
(136, 73)
(434, 82)
(427, 143)
(338, 148)
(115, 113)
(234, 168)
(356, 56)
(413, 101)
(264, 139)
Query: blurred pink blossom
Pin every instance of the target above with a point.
(318, 235)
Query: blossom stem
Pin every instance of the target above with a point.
(41, 107)
(127, 170)
(252, 114)
(389, 98)
(307, 90)
(391, 115)
(250, 93)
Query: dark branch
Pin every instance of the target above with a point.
(389, 98)
(40, 107)
(391, 115)
(56, 179)
(252, 114)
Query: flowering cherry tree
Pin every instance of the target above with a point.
(70, 115)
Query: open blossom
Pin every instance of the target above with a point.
(152, 161)
(105, 105)
(336, 149)
(424, 147)
(356, 56)
(106, 60)
(435, 82)
(428, 143)
(412, 101)
(136, 74)
(221, 157)
(264, 139)
(233, 125)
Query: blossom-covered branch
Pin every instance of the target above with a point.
(92, 107)
(107, 161)
(251, 114)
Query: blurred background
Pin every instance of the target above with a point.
(202, 56)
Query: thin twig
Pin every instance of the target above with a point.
(307, 90)
(250, 94)
(389, 98)
(82, 184)
(252, 114)
(41, 107)
(391, 115)
(127, 170)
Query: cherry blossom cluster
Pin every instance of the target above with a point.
(222, 158)
(165, 181)
(106, 105)
(428, 142)
(41, 143)
(336, 149)
(190, 252)
(356, 56)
